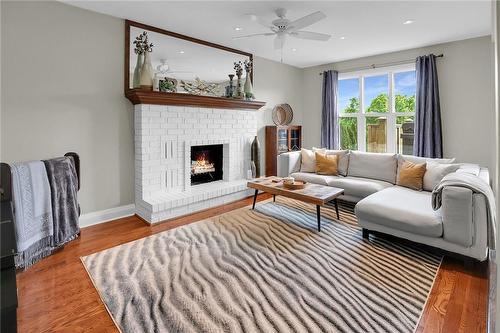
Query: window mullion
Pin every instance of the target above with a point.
(391, 119)
(361, 115)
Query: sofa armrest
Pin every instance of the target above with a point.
(288, 163)
(457, 213)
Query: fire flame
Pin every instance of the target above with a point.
(202, 164)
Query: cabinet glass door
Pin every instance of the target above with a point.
(282, 140)
(294, 139)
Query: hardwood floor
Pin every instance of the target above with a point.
(56, 294)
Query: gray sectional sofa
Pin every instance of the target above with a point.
(368, 179)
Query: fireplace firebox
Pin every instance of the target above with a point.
(206, 164)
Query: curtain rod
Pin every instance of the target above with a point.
(386, 64)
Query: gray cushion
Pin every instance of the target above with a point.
(420, 160)
(373, 165)
(435, 172)
(311, 177)
(358, 187)
(402, 209)
(343, 160)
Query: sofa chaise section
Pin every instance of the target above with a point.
(459, 226)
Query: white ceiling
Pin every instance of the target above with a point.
(369, 27)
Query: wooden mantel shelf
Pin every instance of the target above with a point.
(137, 96)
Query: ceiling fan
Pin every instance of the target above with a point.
(164, 69)
(283, 27)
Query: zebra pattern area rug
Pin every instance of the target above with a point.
(267, 270)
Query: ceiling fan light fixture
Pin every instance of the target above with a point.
(408, 22)
(283, 27)
(238, 28)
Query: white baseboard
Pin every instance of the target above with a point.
(106, 215)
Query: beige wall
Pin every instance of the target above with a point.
(276, 83)
(466, 79)
(63, 92)
(62, 79)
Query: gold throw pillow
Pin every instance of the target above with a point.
(327, 164)
(411, 175)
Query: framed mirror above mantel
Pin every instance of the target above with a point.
(184, 70)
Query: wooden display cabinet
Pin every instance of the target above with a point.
(279, 140)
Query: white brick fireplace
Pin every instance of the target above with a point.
(164, 136)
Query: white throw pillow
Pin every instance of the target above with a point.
(308, 163)
(435, 172)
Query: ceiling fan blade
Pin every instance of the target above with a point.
(306, 21)
(179, 72)
(261, 21)
(279, 41)
(253, 35)
(310, 35)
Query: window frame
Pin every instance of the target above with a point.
(391, 115)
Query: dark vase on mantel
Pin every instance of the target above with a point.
(255, 155)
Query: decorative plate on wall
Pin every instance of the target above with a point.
(282, 114)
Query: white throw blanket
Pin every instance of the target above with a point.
(33, 212)
(476, 185)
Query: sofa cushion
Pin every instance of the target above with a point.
(435, 172)
(327, 164)
(410, 175)
(358, 187)
(308, 163)
(402, 209)
(343, 160)
(419, 160)
(373, 165)
(314, 178)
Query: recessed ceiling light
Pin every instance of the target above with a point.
(181, 52)
(294, 49)
(238, 29)
(408, 22)
(343, 37)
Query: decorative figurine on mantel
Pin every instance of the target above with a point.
(238, 67)
(139, 50)
(199, 87)
(248, 83)
(144, 47)
(230, 87)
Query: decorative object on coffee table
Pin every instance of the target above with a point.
(295, 185)
(314, 194)
(256, 155)
(282, 114)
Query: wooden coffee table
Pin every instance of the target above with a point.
(315, 194)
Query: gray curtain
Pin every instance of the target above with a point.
(428, 137)
(329, 115)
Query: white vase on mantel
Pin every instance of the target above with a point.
(147, 73)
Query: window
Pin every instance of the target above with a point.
(377, 110)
